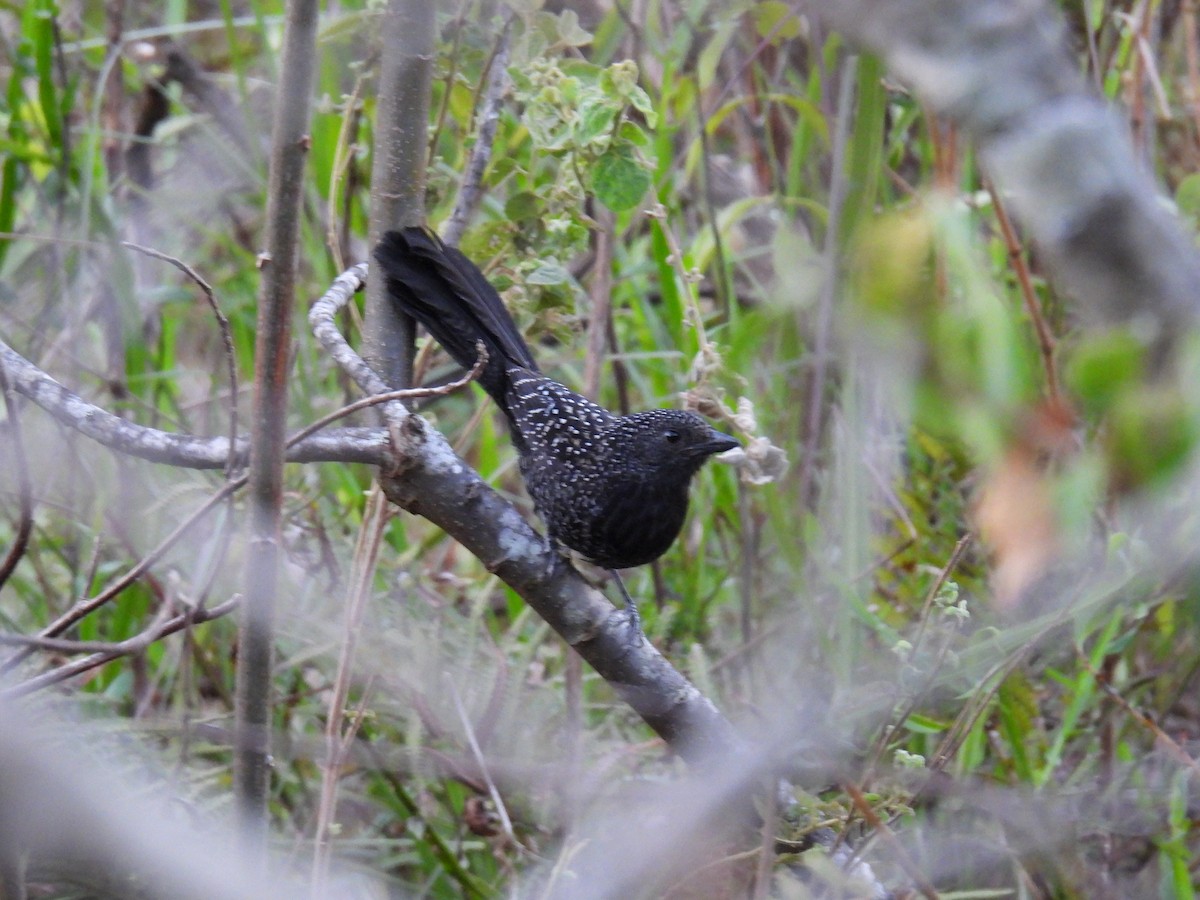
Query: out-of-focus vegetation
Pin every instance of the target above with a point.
(868, 312)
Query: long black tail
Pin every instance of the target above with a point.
(446, 292)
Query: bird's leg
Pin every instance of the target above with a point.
(592, 575)
(635, 619)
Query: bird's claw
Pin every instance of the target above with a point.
(634, 620)
(632, 617)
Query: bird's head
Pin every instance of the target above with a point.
(668, 442)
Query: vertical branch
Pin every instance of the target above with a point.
(600, 322)
(489, 115)
(398, 170)
(1192, 55)
(289, 148)
(1138, 124)
(601, 306)
(113, 113)
(838, 190)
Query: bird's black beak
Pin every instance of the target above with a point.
(718, 442)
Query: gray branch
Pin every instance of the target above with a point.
(276, 301)
(398, 170)
(430, 480)
(363, 445)
(489, 116)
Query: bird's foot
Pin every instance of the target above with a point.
(633, 617)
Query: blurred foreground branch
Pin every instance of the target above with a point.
(1060, 156)
(75, 819)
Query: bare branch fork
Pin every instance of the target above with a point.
(101, 652)
(369, 445)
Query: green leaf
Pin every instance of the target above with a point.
(632, 133)
(919, 724)
(1102, 365)
(549, 273)
(522, 84)
(580, 69)
(774, 20)
(619, 180)
(522, 206)
(1187, 198)
(596, 120)
(570, 32)
(641, 101)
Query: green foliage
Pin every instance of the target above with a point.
(577, 116)
(827, 584)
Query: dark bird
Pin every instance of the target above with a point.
(611, 488)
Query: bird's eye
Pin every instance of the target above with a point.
(672, 436)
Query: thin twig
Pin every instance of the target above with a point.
(366, 555)
(226, 340)
(600, 313)
(902, 710)
(1164, 740)
(698, 875)
(687, 279)
(456, 29)
(1135, 87)
(1192, 55)
(766, 847)
(902, 857)
(1016, 256)
(501, 810)
(749, 534)
(135, 644)
(342, 160)
(951, 564)
(831, 253)
(338, 751)
(722, 282)
(394, 396)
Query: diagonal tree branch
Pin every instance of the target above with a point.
(432, 481)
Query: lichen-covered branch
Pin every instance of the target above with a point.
(363, 445)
